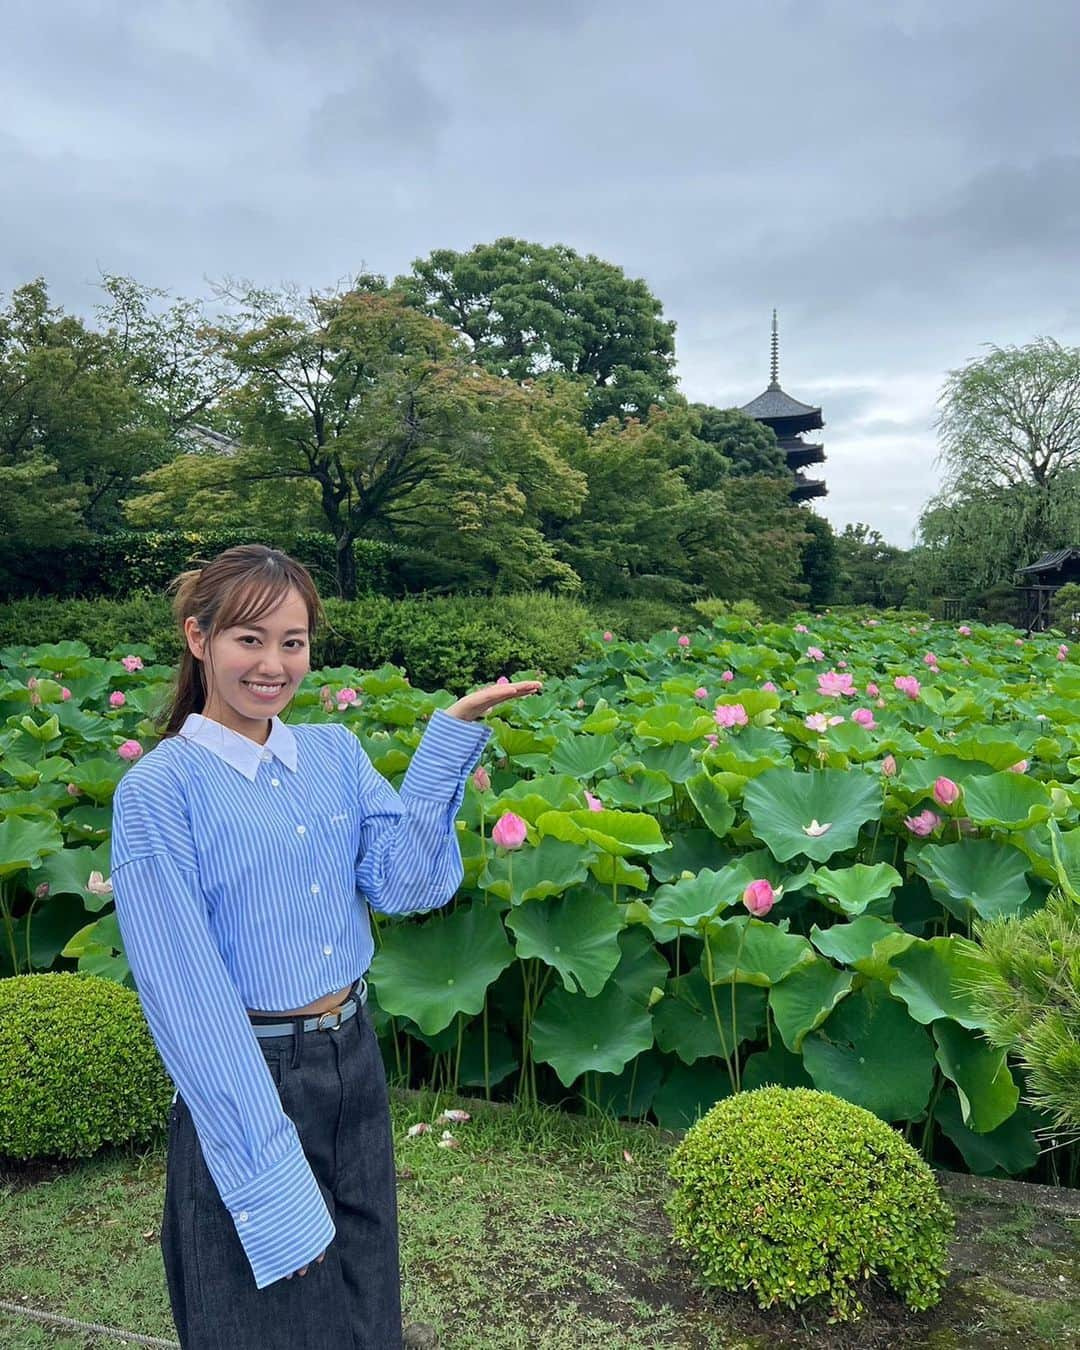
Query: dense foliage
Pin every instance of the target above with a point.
(750, 854)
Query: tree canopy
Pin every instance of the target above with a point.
(528, 308)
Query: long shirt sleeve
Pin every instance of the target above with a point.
(409, 857)
(202, 1032)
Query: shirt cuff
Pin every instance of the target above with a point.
(281, 1219)
(449, 749)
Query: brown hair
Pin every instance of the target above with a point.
(237, 587)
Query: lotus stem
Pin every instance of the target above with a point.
(8, 928)
(734, 1018)
(716, 1011)
(487, 1072)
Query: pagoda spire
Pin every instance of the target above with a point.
(774, 363)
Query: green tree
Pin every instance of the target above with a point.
(377, 408)
(748, 446)
(74, 432)
(870, 571)
(819, 561)
(529, 308)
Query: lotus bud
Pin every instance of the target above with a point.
(945, 791)
(759, 897)
(481, 779)
(888, 766)
(509, 831)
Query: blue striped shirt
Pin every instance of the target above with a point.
(242, 876)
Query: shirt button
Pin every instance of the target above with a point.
(327, 951)
(274, 782)
(266, 756)
(301, 829)
(243, 1216)
(315, 888)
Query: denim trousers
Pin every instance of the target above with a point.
(332, 1085)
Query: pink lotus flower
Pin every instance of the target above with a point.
(503, 679)
(131, 663)
(65, 694)
(864, 717)
(964, 630)
(72, 790)
(727, 676)
(1018, 642)
(509, 831)
(684, 641)
(841, 665)
(769, 687)
(929, 659)
(714, 741)
(832, 682)
(481, 779)
(945, 791)
(593, 803)
(1062, 652)
(129, 750)
(117, 699)
(819, 721)
(97, 885)
(730, 715)
(872, 690)
(1021, 766)
(759, 897)
(888, 766)
(926, 822)
(801, 628)
(908, 684)
(608, 636)
(346, 695)
(702, 692)
(815, 654)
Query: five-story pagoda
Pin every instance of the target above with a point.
(789, 419)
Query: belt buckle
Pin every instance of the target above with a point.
(333, 1012)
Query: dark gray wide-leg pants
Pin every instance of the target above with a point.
(332, 1085)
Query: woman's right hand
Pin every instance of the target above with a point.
(304, 1271)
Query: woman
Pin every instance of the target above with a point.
(245, 856)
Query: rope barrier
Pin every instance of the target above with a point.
(54, 1319)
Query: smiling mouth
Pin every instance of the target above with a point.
(263, 688)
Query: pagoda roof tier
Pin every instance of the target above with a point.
(775, 405)
(809, 487)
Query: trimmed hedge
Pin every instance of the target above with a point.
(452, 643)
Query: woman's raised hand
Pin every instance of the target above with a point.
(474, 706)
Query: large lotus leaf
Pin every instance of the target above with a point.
(854, 741)
(934, 977)
(27, 843)
(689, 1092)
(783, 802)
(531, 797)
(611, 870)
(641, 968)
(1007, 1151)
(878, 965)
(871, 1053)
(918, 776)
(602, 721)
(744, 948)
(1065, 848)
(775, 1065)
(990, 876)
(669, 723)
(690, 851)
(805, 998)
(988, 1095)
(517, 741)
(98, 948)
(502, 1059)
(692, 900)
(548, 869)
(576, 1034)
(851, 942)
(68, 871)
(434, 970)
(855, 887)
(676, 762)
(634, 790)
(685, 1021)
(629, 1095)
(712, 803)
(1008, 801)
(994, 746)
(620, 832)
(583, 757)
(576, 934)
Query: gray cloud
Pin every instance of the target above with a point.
(901, 181)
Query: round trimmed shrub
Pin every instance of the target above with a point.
(796, 1194)
(78, 1067)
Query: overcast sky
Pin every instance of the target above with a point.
(900, 180)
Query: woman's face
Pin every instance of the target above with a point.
(272, 653)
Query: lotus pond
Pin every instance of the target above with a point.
(751, 854)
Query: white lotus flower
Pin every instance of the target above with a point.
(97, 885)
(815, 831)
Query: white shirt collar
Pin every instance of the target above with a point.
(239, 751)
